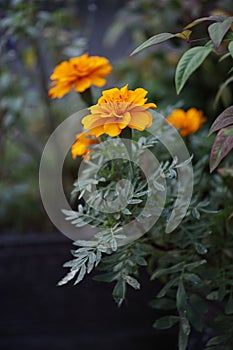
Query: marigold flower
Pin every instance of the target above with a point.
(79, 73)
(81, 145)
(188, 122)
(118, 108)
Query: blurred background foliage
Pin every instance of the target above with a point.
(37, 35)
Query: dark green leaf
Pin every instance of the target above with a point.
(163, 304)
(176, 268)
(218, 30)
(167, 286)
(166, 322)
(184, 334)
(224, 119)
(107, 277)
(194, 265)
(200, 248)
(229, 305)
(223, 144)
(119, 292)
(132, 282)
(156, 39)
(181, 299)
(195, 318)
(192, 277)
(188, 63)
(230, 48)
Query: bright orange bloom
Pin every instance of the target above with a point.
(188, 122)
(118, 108)
(81, 145)
(79, 73)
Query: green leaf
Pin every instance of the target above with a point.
(181, 299)
(81, 274)
(119, 292)
(224, 119)
(229, 305)
(156, 39)
(223, 144)
(200, 248)
(107, 277)
(218, 30)
(132, 282)
(183, 333)
(195, 318)
(188, 63)
(166, 322)
(167, 286)
(176, 268)
(230, 48)
(194, 265)
(163, 304)
(192, 277)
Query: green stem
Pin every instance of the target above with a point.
(87, 97)
(127, 134)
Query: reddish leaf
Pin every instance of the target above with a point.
(221, 147)
(223, 120)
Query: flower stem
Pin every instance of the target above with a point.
(127, 134)
(87, 97)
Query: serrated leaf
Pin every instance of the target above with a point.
(154, 40)
(189, 62)
(217, 18)
(230, 48)
(166, 322)
(224, 119)
(223, 144)
(176, 268)
(218, 30)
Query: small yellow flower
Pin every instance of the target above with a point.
(187, 122)
(118, 108)
(81, 145)
(79, 73)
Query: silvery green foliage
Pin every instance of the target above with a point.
(193, 263)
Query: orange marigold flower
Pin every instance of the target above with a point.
(79, 73)
(188, 122)
(118, 108)
(81, 145)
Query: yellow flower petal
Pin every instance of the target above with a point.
(80, 72)
(118, 108)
